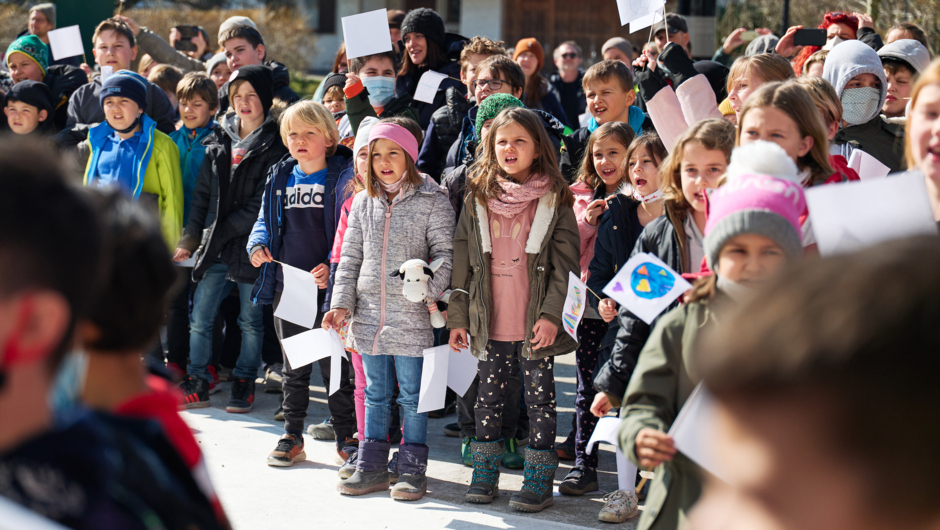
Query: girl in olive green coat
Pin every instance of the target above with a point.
(516, 244)
(752, 231)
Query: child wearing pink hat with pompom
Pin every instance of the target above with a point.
(752, 234)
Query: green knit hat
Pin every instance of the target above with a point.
(32, 47)
(492, 106)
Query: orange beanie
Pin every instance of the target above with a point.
(530, 45)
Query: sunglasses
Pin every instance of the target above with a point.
(840, 14)
(569, 55)
(494, 84)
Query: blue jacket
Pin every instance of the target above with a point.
(192, 151)
(269, 228)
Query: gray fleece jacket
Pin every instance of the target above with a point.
(379, 238)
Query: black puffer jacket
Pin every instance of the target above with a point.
(617, 234)
(63, 80)
(282, 89)
(408, 84)
(226, 203)
(660, 239)
(445, 127)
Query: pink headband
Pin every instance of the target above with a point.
(397, 134)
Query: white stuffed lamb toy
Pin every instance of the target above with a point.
(416, 273)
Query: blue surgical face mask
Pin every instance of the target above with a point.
(68, 383)
(381, 89)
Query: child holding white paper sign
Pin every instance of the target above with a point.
(400, 215)
(516, 243)
(297, 222)
(370, 91)
(753, 232)
(699, 158)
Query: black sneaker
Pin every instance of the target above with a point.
(452, 429)
(243, 396)
(195, 392)
(580, 480)
(289, 450)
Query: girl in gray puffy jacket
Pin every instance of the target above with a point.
(400, 215)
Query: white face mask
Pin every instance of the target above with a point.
(831, 43)
(860, 105)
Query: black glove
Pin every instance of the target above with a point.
(678, 62)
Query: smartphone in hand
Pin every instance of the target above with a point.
(809, 37)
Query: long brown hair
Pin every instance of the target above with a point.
(434, 59)
(652, 144)
(769, 67)
(618, 131)
(483, 180)
(713, 134)
(793, 99)
(930, 76)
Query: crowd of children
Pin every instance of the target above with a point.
(505, 185)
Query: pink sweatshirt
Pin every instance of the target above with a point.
(583, 196)
(509, 269)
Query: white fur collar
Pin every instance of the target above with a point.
(537, 233)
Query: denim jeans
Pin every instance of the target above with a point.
(208, 297)
(380, 385)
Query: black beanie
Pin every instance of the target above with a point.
(717, 76)
(426, 22)
(334, 80)
(32, 93)
(261, 79)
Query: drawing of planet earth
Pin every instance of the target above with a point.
(651, 281)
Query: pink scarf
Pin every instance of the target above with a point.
(516, 197)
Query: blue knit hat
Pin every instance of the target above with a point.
(125, 84)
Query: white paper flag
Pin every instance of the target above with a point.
(427, 86)
(850, 216)
(573, 309)
(298, 304)
(639, 13)
(693, 432)
(433, 379)
(66, 42)
(646, 286)
(311, 346)
(461, 370)
(366, 33)
(867, 166)
(608, 430)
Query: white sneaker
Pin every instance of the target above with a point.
(619, 506)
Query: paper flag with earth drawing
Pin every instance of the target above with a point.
(646, 286)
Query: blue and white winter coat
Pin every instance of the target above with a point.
(269, 228)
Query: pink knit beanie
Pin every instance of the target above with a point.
(397, 134)
(751, 203)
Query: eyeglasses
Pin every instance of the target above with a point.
(569, 55)
(494, 84)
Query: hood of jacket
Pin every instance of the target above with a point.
(554, 128)
(229, 125)
(852, 58)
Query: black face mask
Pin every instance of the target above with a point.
(131, 128)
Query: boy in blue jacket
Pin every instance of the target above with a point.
(303, 197)
(198, 101)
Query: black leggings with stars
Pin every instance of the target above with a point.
(503, 361)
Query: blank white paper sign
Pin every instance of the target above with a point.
(692, 431)
(191, 262)
(608, 430)
(337, 358)
(307, 347)
(854, 215)
(433, 379)
(298, 303)
(367, 33)
(427, 86)
(66, 42)
(867, 166)
(461, 370)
